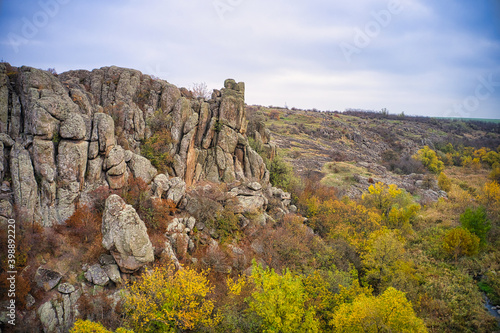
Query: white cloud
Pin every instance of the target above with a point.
(286, 51)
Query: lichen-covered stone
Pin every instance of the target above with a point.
(125, 235)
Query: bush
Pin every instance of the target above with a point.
(476, 221)
(444, 182)
(280, 173)
(157, 150)
(495, 174)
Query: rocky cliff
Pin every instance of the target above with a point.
(64, 135)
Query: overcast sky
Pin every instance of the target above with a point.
(423, 57)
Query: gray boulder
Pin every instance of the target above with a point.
(177, 189)
(250, 204)
(46, 278)
(66, 288)
(113, 273)
(161, 184)
(141, 168)
(73, 127)
(125, 235)
(96, 275)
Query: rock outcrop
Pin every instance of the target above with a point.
(64, 135)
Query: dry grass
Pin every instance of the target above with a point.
(340, 174)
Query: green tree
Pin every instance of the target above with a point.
(389, 312)
(476, 221)
(460, 242)
(281, 302)
(280, 173)
(429, 159)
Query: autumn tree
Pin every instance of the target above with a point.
(429, 159)
(460, 242)
(389, 312)
(87, 326)
(164, 300)
(386, 262)
(396, 206)
(490, 198)
(281, 302)
(343, 219)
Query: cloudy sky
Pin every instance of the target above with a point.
(421, 57)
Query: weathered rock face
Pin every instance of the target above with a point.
(125, 235)
(71, 133)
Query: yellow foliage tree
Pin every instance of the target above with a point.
(386, 262)
(347, 220)
(394, 204)
(164, 300)
(87, 326)
(429, 159)
(460, 242)
(280, 301)
(389, 312)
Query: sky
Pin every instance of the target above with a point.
(420, 57)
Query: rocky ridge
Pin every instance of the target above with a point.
(63, 136)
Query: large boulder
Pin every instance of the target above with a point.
(141, 168)
(97, 275)
(177, 190)
(125, 235)
(47, 279)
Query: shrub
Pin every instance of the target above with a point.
(280, 173)
(157, 150)
(274, 114)
(444, 182)
(84, 226)
(227, 225)
(495, 174)
(200, 90)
